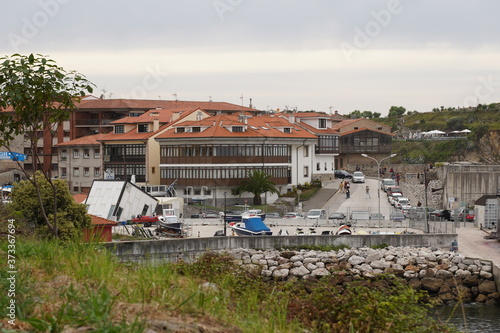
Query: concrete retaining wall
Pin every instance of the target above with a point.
(189, 248)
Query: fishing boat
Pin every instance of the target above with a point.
(250, 225)
(169, 223)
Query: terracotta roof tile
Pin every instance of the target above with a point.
(257, 126)
(80, 197)
(97, 220)
(141, 104)
(83, 141)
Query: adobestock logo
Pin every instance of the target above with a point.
(224, 6)
(372, 29)
(150, 82)
(40, 19)
(483, 90)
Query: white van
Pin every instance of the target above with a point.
(316, 214)
(387, 182)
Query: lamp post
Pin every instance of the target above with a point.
(225, 195)
(378, 177)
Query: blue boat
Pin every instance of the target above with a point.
(250, 225)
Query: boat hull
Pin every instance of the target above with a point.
(245, 232)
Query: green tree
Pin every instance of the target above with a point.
(72, 218)
(355, 114)
(376, 114)
(455, 123)
(257, 183)
(36, 96)
(367, 114)
(396, 111)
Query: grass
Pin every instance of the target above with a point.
(85, 287)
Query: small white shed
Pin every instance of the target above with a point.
(119, 200)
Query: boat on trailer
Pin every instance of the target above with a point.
(168, 224)
(250, 225)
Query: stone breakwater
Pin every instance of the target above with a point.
(447, 276)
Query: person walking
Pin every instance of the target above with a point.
(368, 192)
(347, 193)
(398, 177)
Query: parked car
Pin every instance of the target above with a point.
(358, 177)
(471, 216)
(386, 182)
(376, 216)
(402, 203)
(342, 174)
(337, 216)
(397, 216)
(316, 214)
(394, 189)
(393, 197)
(442, 214)
(292, 216)
(273, 215)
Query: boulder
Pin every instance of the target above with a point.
(356, 260)
(431, 284)
(487, 287)
(299, 271)
(281, 274)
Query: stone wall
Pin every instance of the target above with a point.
(190, 248)
(448, 277)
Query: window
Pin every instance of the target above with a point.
(64, 154)
(145, 210)
(318, 167)
(76, 153)
(97, 153)
(97, 172)
(86, 153)
(180, 130)
(326, 168)
(196, 129)
(64, 172)
(287, 130)
(142, 128)
(306, 171)
(238, 129)
(86, 172)
(119, 129)
(76, 172)
(306, 151)
(322, 123)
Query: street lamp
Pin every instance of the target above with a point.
(225, 195)
(378, 177)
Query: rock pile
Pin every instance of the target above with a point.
(446, 276)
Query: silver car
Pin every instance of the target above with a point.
(358, 177)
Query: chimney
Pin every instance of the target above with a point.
(156, 124)
(242, 118)
(250, 106)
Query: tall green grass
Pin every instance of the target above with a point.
(81, 285)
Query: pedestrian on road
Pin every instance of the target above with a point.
(398, 177)
(347, 185)
(347, 194)
(368, 192)
(341, 187)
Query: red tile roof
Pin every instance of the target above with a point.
(97, 220)
(365, 129)
(142, 104)
(257, 126)
(88, 140)
(80, 197)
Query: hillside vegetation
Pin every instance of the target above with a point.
(481, 144)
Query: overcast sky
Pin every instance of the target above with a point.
(311, 55)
